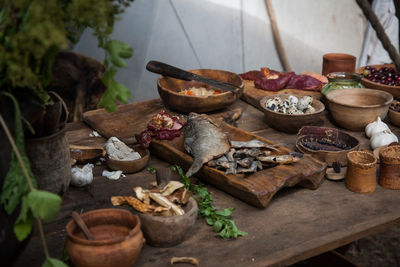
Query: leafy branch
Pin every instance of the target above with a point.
(36, 204)
(220, 220)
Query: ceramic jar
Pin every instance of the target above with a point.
(118, 239)
(333, 62)
(340, 80)
(361, 172)
(389, 173)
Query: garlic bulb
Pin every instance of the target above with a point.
(383, 138)
(82, 176)
(376, 127)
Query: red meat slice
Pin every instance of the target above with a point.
(304, 82)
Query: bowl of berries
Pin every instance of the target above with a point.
(381, 77)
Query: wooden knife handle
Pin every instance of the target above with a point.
(168, 70)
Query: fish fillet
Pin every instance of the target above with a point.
(204, 141)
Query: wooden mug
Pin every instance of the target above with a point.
(334, 62)
(361, 172)
(389, 172)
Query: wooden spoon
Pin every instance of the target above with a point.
(82, 225)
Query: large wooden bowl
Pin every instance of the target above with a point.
(291, 123)
(394, 90)
(130, 166)
(354, 108)
(169, 89)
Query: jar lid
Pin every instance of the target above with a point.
(338, 76)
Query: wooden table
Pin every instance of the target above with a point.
(297, 224)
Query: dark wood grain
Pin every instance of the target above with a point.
(297, 224)
(257, 188)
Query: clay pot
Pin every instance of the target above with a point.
(335, 62)
(50, 161)
(130, 166)
(162, 231)
(389, 174)
(361, 172)
(118, 239)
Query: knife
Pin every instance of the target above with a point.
(174, 72)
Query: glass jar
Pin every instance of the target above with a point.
(339, 80)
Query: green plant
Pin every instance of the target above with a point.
(220, 220)
(33, 31)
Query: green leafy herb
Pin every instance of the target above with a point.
(221, 220)
(51, 262)
(43, 204)
(151, 169)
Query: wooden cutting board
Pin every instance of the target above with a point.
(257, 188)
(253, 95)
(131, 119)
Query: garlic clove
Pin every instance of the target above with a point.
(376, 127)
(383, 138)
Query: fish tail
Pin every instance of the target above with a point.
(196, 166)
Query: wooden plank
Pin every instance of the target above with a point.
(131, 119)
(256, 188)
(253, 95)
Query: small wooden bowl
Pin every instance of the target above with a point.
(393, 90)
(130, 166)
(169, 89)
(291, 123)
(394, 117)
(361, 172)
(389, 173)
(169, 231)
(354, 108)
(314, 133)
(85, 154)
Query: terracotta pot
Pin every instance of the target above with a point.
(389, 173)
(49, 157)
(361, 172)
(169, 231)
(118, 239)
(335, 62)
(354, 108)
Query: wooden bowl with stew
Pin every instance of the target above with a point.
(184, 96)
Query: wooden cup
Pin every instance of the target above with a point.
(389, 173)
(361, 172)
(334, 62)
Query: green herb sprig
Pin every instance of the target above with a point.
(20, 188)
(220, 220)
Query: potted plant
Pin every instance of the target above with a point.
(33, 33)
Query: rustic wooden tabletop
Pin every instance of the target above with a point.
(297, 224)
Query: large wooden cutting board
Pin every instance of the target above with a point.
(131, 119)
(253, 95)
(256, 189)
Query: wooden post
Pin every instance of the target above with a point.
(277, 38)
(380, 32)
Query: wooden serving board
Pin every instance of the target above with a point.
(253, 95)
(131, 119)
(256, 189)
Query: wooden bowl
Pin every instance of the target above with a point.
(85, 154)
(394, 117)
(161, 231)
(312, 134)
(169, 89)
(130, 166)
(354, 108)
(291, 123)
(393, 90)
(118, 239)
